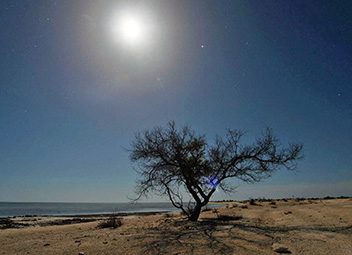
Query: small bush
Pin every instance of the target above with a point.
(252, 202)
(272, 203)
(112, 222)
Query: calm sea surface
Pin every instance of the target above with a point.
(21, 209)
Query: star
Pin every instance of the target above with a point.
(202, 46)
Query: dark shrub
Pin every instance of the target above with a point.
(6, 223)
(111, 222)
(252, 202)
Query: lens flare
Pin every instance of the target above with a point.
(213, 182)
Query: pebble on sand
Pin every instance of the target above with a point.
(279, 248)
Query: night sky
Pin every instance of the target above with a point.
(73, 92)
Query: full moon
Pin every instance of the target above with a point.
(129, 29)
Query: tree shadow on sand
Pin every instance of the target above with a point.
(186, 236)
(215, 236)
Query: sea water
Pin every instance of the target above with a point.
(8, 209)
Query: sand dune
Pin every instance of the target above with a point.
(296, 227)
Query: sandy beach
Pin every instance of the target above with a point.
(271, 227)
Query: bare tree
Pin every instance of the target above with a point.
(178, 162)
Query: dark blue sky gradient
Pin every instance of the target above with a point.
(71, 99)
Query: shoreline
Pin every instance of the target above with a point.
(19, 222)
(122, 213)
(88, 215)
(25, 221)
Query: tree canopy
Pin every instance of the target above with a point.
(176, 162)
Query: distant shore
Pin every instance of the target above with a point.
(282, 199)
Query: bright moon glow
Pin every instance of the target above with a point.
(129, 29)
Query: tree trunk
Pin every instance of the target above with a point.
(195, 213)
